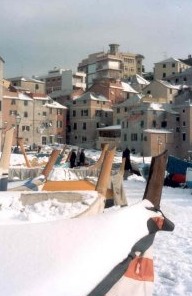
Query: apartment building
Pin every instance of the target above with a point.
(23, 83)
(87, 113)
(42, 120)
(114, 90)
(111, 64)
(147, 128)
(161, 89)
(60, 83)
(169, 67)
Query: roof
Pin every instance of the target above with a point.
(92, 96)
(110, 128)
(170, 60)
(139, 79)
(128, 88)
(168, 84)
(55, 105)
(25, 78)
(157, 131)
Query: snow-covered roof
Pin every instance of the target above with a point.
(170, 60)
(109, 128)
(169, 85)
(157, 131)
(139, 80)
(55, 105)
(128, 88)
(91, 96)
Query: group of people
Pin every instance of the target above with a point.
(77, 159)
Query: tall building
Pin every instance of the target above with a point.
(113, 64)
(61, 82)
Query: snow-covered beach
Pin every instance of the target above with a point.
(172, 250)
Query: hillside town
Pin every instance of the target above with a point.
(109, 99)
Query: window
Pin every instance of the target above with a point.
(84, 112)
(98, 113)
(164, 124)
(84, 139)
(84, 126)
(125, 137)
(74, 113)
(74, 125)
(164, 65)
(142, 123)
(123, 124)
(173, 65)
(164, 75)
(154, 123)
(184, 123)
(59, 111)
(59, 124)
(148, 92)
(118, 121)
(25, 128)
(133, 137)
(13, 102)
(13, 112)
(170, 91)
(178, 119)
(25, 103)
(125, 109)
(118, 110)
(184, 136)
(25, 114)
(44, 113)
(84, 101)
(97, 125)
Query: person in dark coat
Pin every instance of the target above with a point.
(128, 166)
(82, 157)
(72, 159)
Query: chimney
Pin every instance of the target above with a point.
(113, 48)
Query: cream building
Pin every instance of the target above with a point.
(111, 64)
(87, 113)
(169, 67)
(161, 89)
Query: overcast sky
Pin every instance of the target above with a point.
(36, 36)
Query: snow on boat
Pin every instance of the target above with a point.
(74, 257)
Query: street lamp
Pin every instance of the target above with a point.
(18, 120)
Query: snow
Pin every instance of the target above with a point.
(42, 230)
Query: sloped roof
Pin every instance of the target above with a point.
(91, 96)
(55, 105)
(128, 88)
(168, 84)
(139, 80)
(170, 60)
(110, 128)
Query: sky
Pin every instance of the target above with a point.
(36, 36)
(42, 239)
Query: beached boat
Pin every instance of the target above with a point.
(176, 170)
(57, 258)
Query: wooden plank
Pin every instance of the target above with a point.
(6, 152)
(154, 186)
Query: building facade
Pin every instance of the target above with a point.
(169, 67)
(42, 120)
(111, 64)
(87, 113)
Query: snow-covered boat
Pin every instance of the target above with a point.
(74, 256)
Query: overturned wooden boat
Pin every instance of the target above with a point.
(57, 258)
